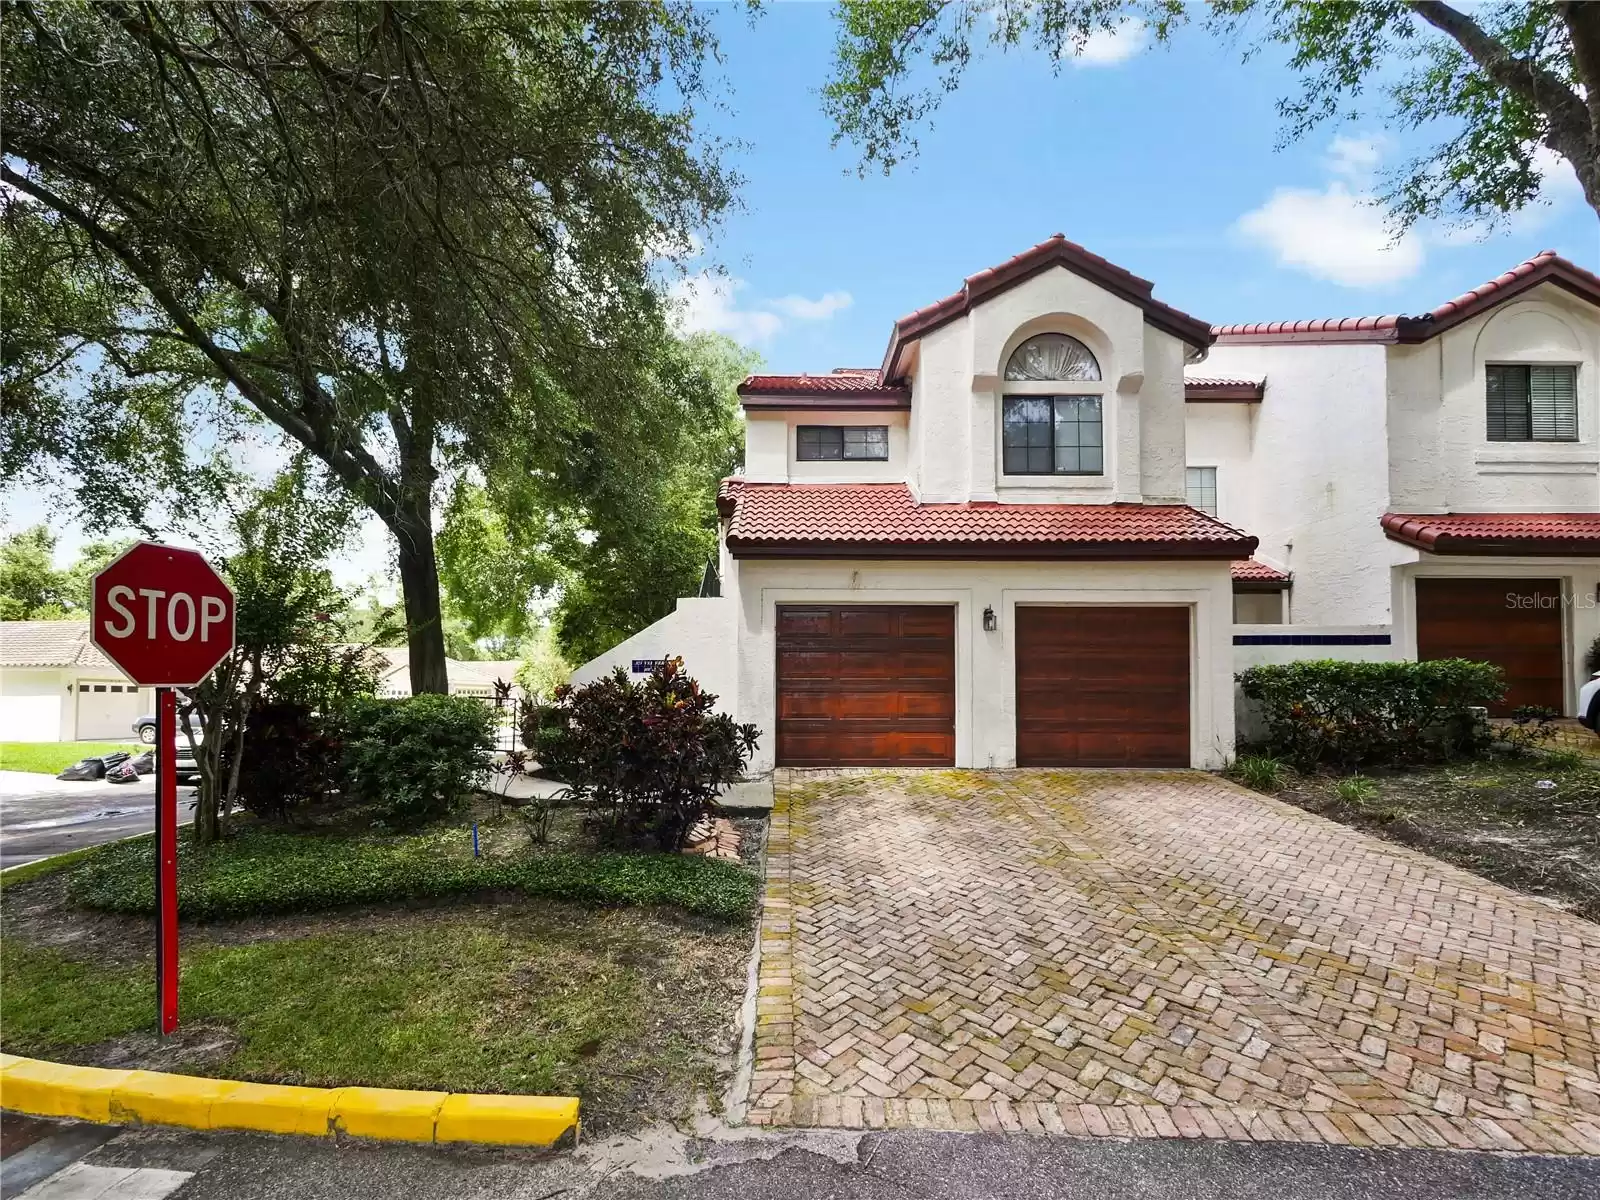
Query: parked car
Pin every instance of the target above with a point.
(145, 728)
(1589, 703)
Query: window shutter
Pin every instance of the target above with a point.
(1553, 397)
(1508, 405)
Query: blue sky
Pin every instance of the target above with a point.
(1161, 159)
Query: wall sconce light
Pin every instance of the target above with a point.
(990, 621)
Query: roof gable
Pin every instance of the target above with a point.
(1054, 251)
(1545, 267)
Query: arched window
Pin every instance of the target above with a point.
(1052, 356)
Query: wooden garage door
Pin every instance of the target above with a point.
(1102, 687)
(866, 685)
(1513, 623)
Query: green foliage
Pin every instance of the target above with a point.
(1356, 789)
(1591, 658)
(647, 757)
(1349, 714)
(416, 758)
(652, 539)
(32, 588)
(264, 872)
(1566, 760)
(1501, 82)
(419, 240)
(543, 668)
(1531, 726)
(1259, 772)
(289, 757)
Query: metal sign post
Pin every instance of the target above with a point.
(166, 618)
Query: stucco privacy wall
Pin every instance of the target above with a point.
(1580, 597)
(1220, 436)
(1320, 473)
(985, 662)
(770, 448)
(959, 378)
(700, 631)
(1440, 458)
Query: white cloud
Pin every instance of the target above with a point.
(820, 309)
(707, 301)
(1108, 47)
(1338, 233)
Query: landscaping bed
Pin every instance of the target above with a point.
(536, 968)
(1490, 816)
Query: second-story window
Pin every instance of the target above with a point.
(1202, 488)
(1532, 404)
(1045, 434)
(850, 443)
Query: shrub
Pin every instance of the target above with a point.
(1356, 789)
(416, 758)
(1591, 659)
(1259, 772)
(263, 872)
(1531, 726)
(1565, 760)
(288, 758)
(645, 758)
(1350, 714)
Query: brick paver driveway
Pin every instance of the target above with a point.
(1136, 953)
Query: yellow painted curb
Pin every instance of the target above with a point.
(49, 1089)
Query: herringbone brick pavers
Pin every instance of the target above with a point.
(1155, 954)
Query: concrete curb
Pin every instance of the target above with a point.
(47, 1089)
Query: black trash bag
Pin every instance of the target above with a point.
(92, 768)
(123, 772)
(144, 763)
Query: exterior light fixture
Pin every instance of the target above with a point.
(990, 621)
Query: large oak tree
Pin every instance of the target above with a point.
(417, 238)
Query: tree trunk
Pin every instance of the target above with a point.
(419, 584)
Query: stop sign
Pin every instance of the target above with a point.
(162, 614)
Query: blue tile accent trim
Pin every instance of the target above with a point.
(1311, 639)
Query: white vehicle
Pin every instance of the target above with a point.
(1589, 703)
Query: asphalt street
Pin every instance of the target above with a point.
(806, 1166)
(41, 815)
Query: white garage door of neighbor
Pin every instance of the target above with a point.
(106, 710)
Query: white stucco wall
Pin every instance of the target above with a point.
(1440, 457)
(1222, 436)
(771, 449)
(35, 706)
(700, 631)
(958, 381)
(1319, 472)
(986, 662)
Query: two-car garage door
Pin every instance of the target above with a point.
(874, 685)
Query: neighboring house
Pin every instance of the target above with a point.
(56, 687)
(1030, 536)
(467, 678)
(1437, 474)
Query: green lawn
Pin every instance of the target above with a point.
(51, 758)
(615, 1007)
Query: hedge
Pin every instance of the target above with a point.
(265, 873)
(1352, 714)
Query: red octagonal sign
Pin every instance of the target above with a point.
(162, 614)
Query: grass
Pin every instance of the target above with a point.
(616, 1007)
(265, 872)
(52, 758)
(1530, 822)
(1260, 772)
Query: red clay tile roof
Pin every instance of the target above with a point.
(883, 520)
(1053, 251)
(842, 388)
(1545, 267)
(1205, 387)
(1255, 570)
(1497, 533)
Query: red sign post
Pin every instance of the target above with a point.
(165, 617)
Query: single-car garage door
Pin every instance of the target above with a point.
(106, 710)
(1513, 623)
(1102, 687)
(866, 685)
